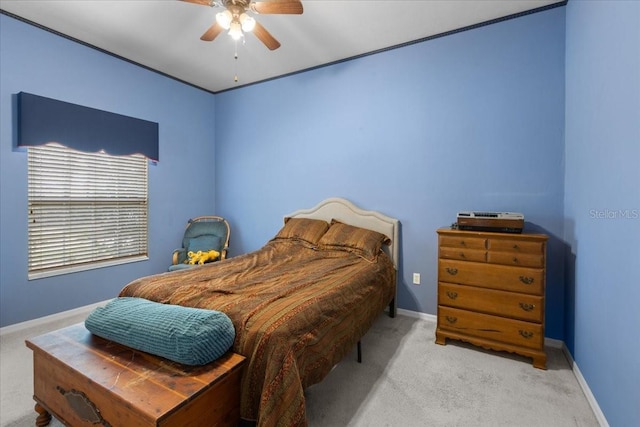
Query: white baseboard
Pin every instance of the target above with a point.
(602, 420)
(553, 343)
(424, 316)
(51, 318)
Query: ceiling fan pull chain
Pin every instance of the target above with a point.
(235, 63)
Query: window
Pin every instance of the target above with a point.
(86, 210)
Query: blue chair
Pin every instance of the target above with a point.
(203, 233)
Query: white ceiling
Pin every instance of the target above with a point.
(164, 35)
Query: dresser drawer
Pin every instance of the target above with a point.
(516, 259)
(463, 242)
(508, 304)
(500, 329)
(501, 277)
(516, 246)
(463, 254)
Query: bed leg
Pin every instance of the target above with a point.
(359, 352)
(392, 308)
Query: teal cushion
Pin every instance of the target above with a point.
(204, 243)
(177, 267)
(191, 336)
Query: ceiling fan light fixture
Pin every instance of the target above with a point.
(236, 19)
(247, 22)
(224, 19)
(235, 30)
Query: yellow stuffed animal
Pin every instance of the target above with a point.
(202, 257)
(193, 257)
(209, 256)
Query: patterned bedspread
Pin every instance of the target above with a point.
(297, 312)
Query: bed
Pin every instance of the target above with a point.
(299, 304)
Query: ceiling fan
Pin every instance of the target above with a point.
(237, 20)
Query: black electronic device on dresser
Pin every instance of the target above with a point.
(504, 222)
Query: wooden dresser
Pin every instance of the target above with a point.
(85, 380)
(491, 290)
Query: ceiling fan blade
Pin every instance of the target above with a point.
(265, 37)
(212, 32)
(288, 7)
(202, 2)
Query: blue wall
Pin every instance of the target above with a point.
(474, 120)
(602, 201)
(39, 62)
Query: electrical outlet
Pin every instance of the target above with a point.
(416, 278)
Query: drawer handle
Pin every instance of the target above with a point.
(516, 247)
(462, 255)
(462, 243)
(452, 271)
(526, 334)
(452, 319)
(526, 280)
(515, 260)
(452, 295)
(527, 307)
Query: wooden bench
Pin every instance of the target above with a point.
(84, 380)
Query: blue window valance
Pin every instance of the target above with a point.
(42, 120)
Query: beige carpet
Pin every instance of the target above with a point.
(405, 380)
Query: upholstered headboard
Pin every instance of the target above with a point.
(345, 211)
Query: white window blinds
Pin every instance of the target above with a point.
(85, 209)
